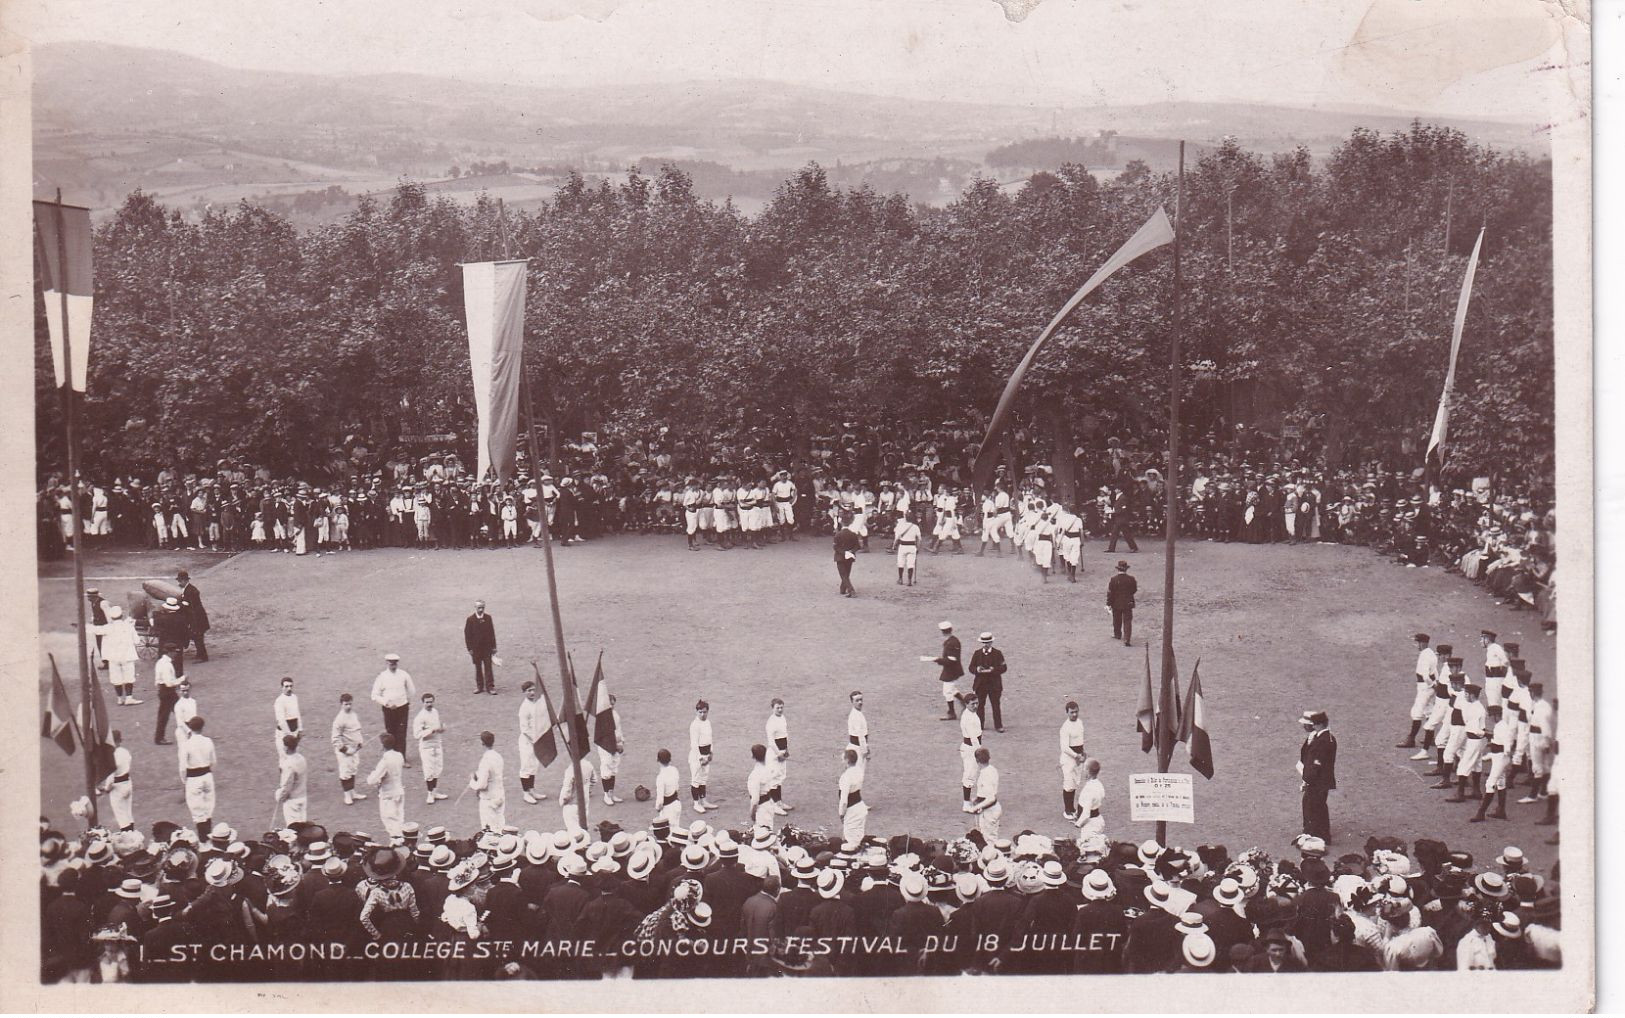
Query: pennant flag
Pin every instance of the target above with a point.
(547, 747)
(64, 236)
(1145, 716)
(57, 724)
(1193, 726)
(94, 732)
(1167, 710)
(603, 722)
(1441, 420)
(1156, 232)
(494, 303)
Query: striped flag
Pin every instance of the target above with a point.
(1145, 718)
(1193, 726)
(603, 722)
(1168, 722)
(576, 737)
(93, 731)
(1441, 419)
(57, 724)
(547, 747)
(64, 236)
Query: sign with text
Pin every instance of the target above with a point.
(1161, 797)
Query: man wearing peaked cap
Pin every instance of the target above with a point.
(1427, 674)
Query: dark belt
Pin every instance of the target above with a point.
(1456, 718)
(1536, 730)
(1076, 749)
(668, 800)
(1094, 814)
(764, 797)
(786, 501)
(1495, 747)
(1073, 533)
(853, 798)
(782, 744)
(1006, 511)
(705, 750)
(854, 740)
(121, 777)
(1475, 735)
(1495, 672)
(991, 803)
(970, 742)
(197, 772)
(293, 724)
(908, 544)
(1420, 678)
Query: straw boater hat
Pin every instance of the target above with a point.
(1199, 950)
(223, 873)
(442, 858)
(913, 886)
(1097, 886)
(641, 864)
(830, 883)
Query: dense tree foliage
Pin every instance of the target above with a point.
(1313, 293)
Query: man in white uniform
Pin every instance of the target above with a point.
(118, 652)
(487, 781)
(286, 709)
(970, 740)
(906, 543)
(692, 497)
(1475, 731)
(784, 504)
(185, 710)
(427, 728)
(1091, 799)
(117, 786)
(291, 788)
(986, 804)
(990, 526)
(1503, 730)
(1434, 728)
(857, 728)
(1427, 673)
(1542, 734)
(778, 754)
(668, 803)
(1069, 532)
(198, 753)
(567, 796)
(699, 756)
(1495, 667)
(386, 777)
(854, 812)
(1073, 759)
(393, 691)
(609, 757)
(762, 813)
(532, 725)
(347, 743)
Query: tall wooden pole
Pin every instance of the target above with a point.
(69, 410)
(1165, 748)
(571, 749)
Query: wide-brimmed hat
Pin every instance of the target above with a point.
(1097, 886)
(1491, 885)
(641, 864)
(223, 873)
(1228, 892)
(384, 863)
(1191, 923)
(538, 848)
(130, 888)
(830, 883)
(319, 851)
(1511, 858)
(913, 886)
(572, 865)
(1054, 873)
(1509, 926)
(462, 875)
(1148, 852)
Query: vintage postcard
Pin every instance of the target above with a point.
(678, 505)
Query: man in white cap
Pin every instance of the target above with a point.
(952, 668)
(487, 781)
(986, 805)
(1044, 540)
(292, 772)
(286, 710)
(1072, 760)
(532, 725)
(117, 642)
(853, 811)
(393, 691)
(1474, 733)
(1069, 529)
(427, 728)
(1427, 674)
(905, 542)
(386, 777)
(347, 743)
(117, 786)
(699, 756)
(197, 753)
(778, 754)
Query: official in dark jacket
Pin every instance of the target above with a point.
(480, 637)
(988, 668)
(1317, 764)
(952, 664)
(846, 552)
(1120, 591)
(193, 614)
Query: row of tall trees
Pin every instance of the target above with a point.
(1322, 288)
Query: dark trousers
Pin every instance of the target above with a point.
(1123, 624)
(395, 725)
(1120, 530)
(1316, 819)
(197, 637)
(167, 695)
(483, 679)
(844, 567)
(987, 701)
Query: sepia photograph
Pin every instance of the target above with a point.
(1166, 426)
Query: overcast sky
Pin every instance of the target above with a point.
(1501, 58)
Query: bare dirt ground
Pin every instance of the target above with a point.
(1278, 630)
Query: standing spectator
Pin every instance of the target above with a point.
(193, 613)
(1120, 591)
(480, 637)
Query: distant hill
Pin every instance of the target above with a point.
(108, 119)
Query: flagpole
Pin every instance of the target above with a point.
(68, 412)
(1165, 748)
(547, 559)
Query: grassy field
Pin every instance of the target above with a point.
(1278, 630)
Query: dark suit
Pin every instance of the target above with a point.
(197, 620)
(1319, 757)
(1120, 514)
(846, 541)
(1120, 591)
(988, 667)
(480, 636)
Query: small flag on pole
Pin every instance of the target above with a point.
(1145, 716)
(65, 230)
(1193, 726)
(547, 747)
(94, 732)
(57, 725)
(576, 736)
(1168, 711)
(603, 722)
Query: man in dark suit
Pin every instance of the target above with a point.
(480, 637)
(1277, 955)
(1120, 591)
(1120, 521)
(846, 552)
(988, 668)
(1317, 763)
(192, 612)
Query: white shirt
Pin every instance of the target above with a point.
(198, 751)
(851, 781)
(784, 491)
(185, 710)
(530, 720)
(393, 688)
(756, 783)
(1475, 951)
(118, 641)
(1072, 736)
(857, 726)
(1091, 797)
(987, 786)
(907, 530)
(487, 778)
(567, 791)
(778, 727)
(426, 727)
(1474, 717)
(121, 762)
(1495, 656)
(287, 709)
(970, 728)
(699, 737)
(291, 784)
(1504, 734)
(665, 784)
(163, 671)
(1427, 663)
(1543, 715)
(347, 731)
(387, 775)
